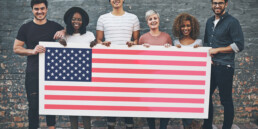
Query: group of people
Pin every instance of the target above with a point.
(223, 33)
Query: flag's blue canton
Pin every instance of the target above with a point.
(68, 64)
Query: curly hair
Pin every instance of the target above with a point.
(179, 21)
(68, 20)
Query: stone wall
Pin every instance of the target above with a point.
(13, 103)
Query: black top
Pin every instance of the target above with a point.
(31, 34)
(227, 32)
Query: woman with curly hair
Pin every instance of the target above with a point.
(186, 28)
(76, 20)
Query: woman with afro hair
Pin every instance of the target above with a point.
(186, 28)
(76, 20)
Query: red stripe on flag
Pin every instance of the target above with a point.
(127, 99)
(124, 108)
(149, 52)
(124, 89)
(149, 62)
(150, 81)
(148, 71)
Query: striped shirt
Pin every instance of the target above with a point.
(118, 29)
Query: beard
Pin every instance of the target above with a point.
(40, 18)
(220, 13)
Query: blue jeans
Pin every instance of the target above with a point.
(163, 123)
(221, 77)
(32, 90)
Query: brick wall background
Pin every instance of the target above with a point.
(13, 13)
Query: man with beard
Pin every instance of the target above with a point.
(40, 29)
(224, 34)
(119, 27)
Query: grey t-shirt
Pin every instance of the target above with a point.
(196, 42)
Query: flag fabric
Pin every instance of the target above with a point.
(126, 82)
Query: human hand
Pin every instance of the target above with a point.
(106, 43)
(213, 51)
(130, 43)
(38, 49)
(59, 34)
(93, 43)
(178, 46)
(196, 46)
(62, 41)
(167, 45)
(146, 45)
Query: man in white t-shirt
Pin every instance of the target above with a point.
(118, 26)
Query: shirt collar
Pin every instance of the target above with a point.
(221, 17)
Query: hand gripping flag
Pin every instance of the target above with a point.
(127, 82)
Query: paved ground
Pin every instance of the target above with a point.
(239, 126)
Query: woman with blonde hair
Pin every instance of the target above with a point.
(155, 37)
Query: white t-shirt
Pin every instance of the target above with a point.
(216, 22)
(196, 42)
(78, 38)
(118, 29)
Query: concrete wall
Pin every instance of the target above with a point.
(13, 102)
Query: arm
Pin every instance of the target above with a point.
(59, 34)
(136, 35)
(136, 32)
(214, 51)
(19, 49)
(237, 36)
(100, 36)
(169, 42)
(135, 39)
(198, 44)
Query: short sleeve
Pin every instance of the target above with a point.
(100, 25)
(59, 27)
(92, 37)
(22, 33)
(176, 42)
(169, 40)
(136, 25)
(199, 42)
(141, 40)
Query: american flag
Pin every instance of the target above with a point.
(126, 82)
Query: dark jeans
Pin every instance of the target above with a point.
(128, 121)
(32, 90)
(163, 123)
(221, 77)
(187, 122)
